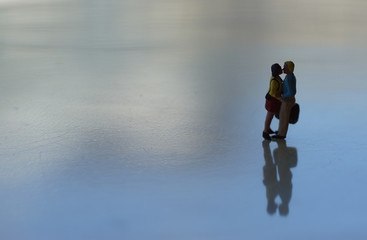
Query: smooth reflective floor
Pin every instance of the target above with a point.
(133, 119)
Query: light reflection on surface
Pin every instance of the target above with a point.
(143, 119)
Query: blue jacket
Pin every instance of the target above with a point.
(289, 86)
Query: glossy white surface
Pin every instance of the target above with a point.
(142, 120)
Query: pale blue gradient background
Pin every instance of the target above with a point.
(137, 119)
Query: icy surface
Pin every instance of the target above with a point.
(134, 119)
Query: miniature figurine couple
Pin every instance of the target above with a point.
(280, 99)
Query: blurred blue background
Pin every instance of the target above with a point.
(143, 119)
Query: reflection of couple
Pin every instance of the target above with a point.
(283, 159)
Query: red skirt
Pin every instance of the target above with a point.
(272, 105)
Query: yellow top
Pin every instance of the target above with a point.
(275, 89)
